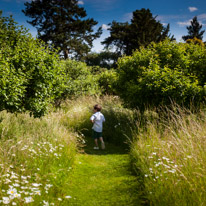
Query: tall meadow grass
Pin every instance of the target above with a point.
(169, 155)
(36, 157)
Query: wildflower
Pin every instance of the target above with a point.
(68, 197)
(6, 200)
(11, 191)
(45, 203)
(38, 192)
(28, 199)
(60, 199)
(16, 195)
(13, 176)
(36, 184)
(13, 203)
(16, 185)
(7, 181)
(48, 185)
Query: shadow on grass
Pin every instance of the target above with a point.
(109, 148)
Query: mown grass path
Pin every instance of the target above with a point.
(102, 178)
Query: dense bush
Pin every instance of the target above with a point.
(107, 80)
(163, 72)
(79, 79)
(30, 73)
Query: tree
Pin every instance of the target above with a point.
(194, 30)
(143, 29)
(104, 59)
(31, 75)
(63, 23)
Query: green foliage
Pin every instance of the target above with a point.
(79, 79)
(163, 72)
(30, 73)
(143, 29)
(64, 25)
(107, 80)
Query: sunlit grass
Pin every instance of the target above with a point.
(36, 156)
(170, 155)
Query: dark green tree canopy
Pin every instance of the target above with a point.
(194, 30)
(104, 59)
(143, 29)
(63, 23)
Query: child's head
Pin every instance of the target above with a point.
(97, 107)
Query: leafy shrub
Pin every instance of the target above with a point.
(163, 72)
(30, 73)
(107, 80)
(79, 79)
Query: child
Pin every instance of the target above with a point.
(97, 119)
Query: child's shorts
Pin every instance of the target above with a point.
(96, 135)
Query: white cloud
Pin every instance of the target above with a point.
(80, 2)
(202, 17)
(192, 9)
(184, 23)
(105, 27)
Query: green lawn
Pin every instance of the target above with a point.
(102, 178)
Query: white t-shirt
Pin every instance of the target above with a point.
(98, 119)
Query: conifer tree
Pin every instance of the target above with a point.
(143, 29)
(63, 24)
(194, 30)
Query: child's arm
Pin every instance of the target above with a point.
(92, 119)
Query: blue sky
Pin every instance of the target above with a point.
(178, 13)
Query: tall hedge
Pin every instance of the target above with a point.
(30, 73)
(162, 73)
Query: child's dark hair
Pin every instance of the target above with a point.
(97, 107)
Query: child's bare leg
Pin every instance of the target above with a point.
(96, 142)
(102, 142)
